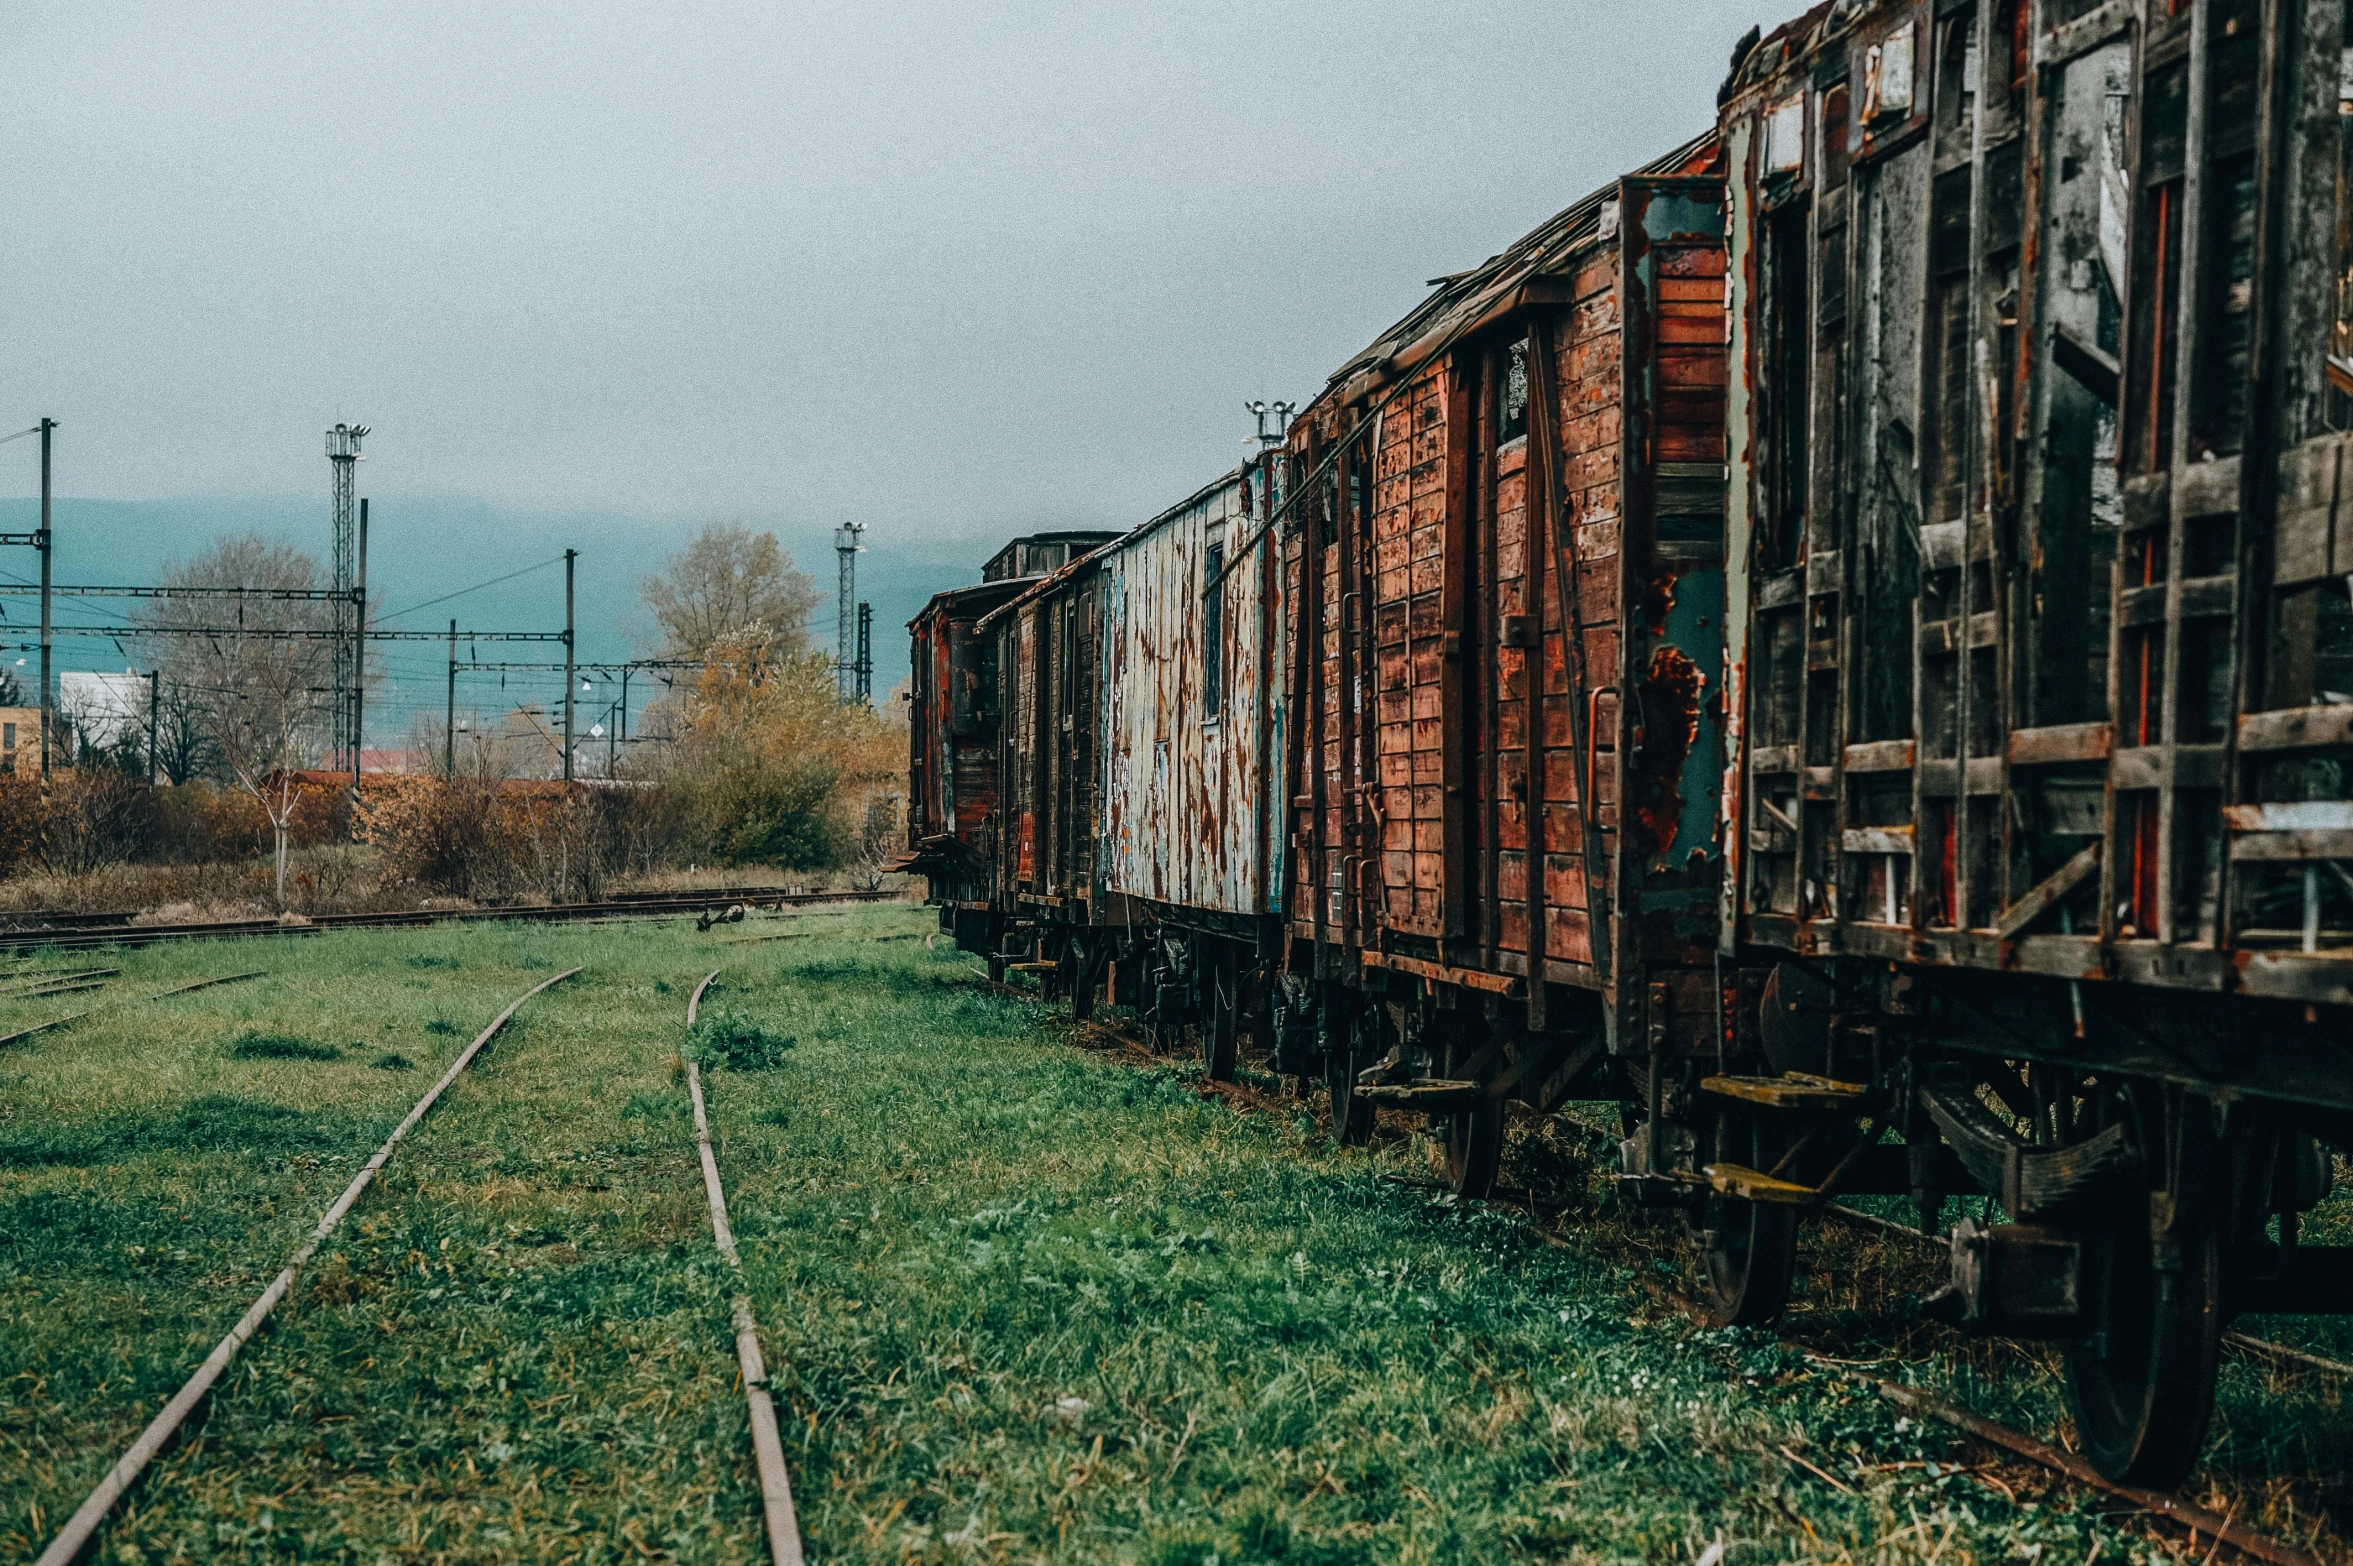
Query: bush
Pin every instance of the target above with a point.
(757, 812)
(488, 840)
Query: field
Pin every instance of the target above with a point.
(1023, 1299)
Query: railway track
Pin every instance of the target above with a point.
(91, 935)
(84, 1523)
(776, 1501)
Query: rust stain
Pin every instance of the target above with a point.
(1671, 693)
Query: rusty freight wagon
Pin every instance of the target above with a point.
(2040, 535)
(953, 742)
(1142, 692)
(1506, 590)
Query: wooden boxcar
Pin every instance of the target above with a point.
(1142, 695)
(954, 743)
(2044, 661)
(1505, 559)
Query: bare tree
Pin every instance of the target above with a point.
(256, 669)
(184, 747)
(730, 582)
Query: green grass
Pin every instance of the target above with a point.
(1021, 1302)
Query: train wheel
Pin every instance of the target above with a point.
(1750, 1247)
(1221, 1029)
(1086, 977)
(2141, 1385)
(1352, 1116)
(1474, 1148)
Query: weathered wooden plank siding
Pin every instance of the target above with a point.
(1180, 773)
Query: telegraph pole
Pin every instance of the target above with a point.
(48, 706)
(359, 643)
(449, 720)
(846, 550)
(154, 711)
(343, 455)
(570, 555)
(865, 668)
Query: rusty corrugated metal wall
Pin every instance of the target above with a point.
(1187, 820)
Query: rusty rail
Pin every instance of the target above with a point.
(776, 1496)
(84, 1523)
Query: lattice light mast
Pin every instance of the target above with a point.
(343, 456)
(846, 549)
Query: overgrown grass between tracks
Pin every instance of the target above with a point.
(1021, 1301)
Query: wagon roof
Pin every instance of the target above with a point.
(1548, 248)
(1759, 60)
(977, 595)
(1047, 585)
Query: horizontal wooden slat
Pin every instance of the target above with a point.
(2063, 742)
(2203, 597)
(1772, 759)
(2306, 815)
(2207, 489)
(1778, 592)
(2297, 728)
(1880, 756)
(1876, 840)
(2291, 847)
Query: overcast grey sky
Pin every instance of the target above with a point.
(952, 265)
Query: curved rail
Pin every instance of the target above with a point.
(776, 1496)
(78, 1528)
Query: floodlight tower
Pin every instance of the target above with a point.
(846, 549)
(343, 455)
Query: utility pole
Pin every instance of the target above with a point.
(359, 642)
(846, 550)
(865, 671)
(343, 454)
(624, 706)
(570, 555)
(449, 720)
(154, 712)
(48, 705)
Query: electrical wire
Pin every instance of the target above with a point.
(477, 587)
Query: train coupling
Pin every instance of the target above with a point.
(2014, 1280)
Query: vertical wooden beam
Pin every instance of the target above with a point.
(1543, 506)
(2258, 464)
(1312, 748)
(1350, 694)
(1489, 688)
(1269, 782)
(1458, 633)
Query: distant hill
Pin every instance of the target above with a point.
(423, 549)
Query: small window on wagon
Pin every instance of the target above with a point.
(1213, 617)
(1511, 399)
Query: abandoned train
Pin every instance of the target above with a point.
(1839, 642)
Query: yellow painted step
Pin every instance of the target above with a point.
(1751, 1185)
(1790, 1090)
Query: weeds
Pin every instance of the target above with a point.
(737, 1043)
(1020, 1303)
(252, 1045)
